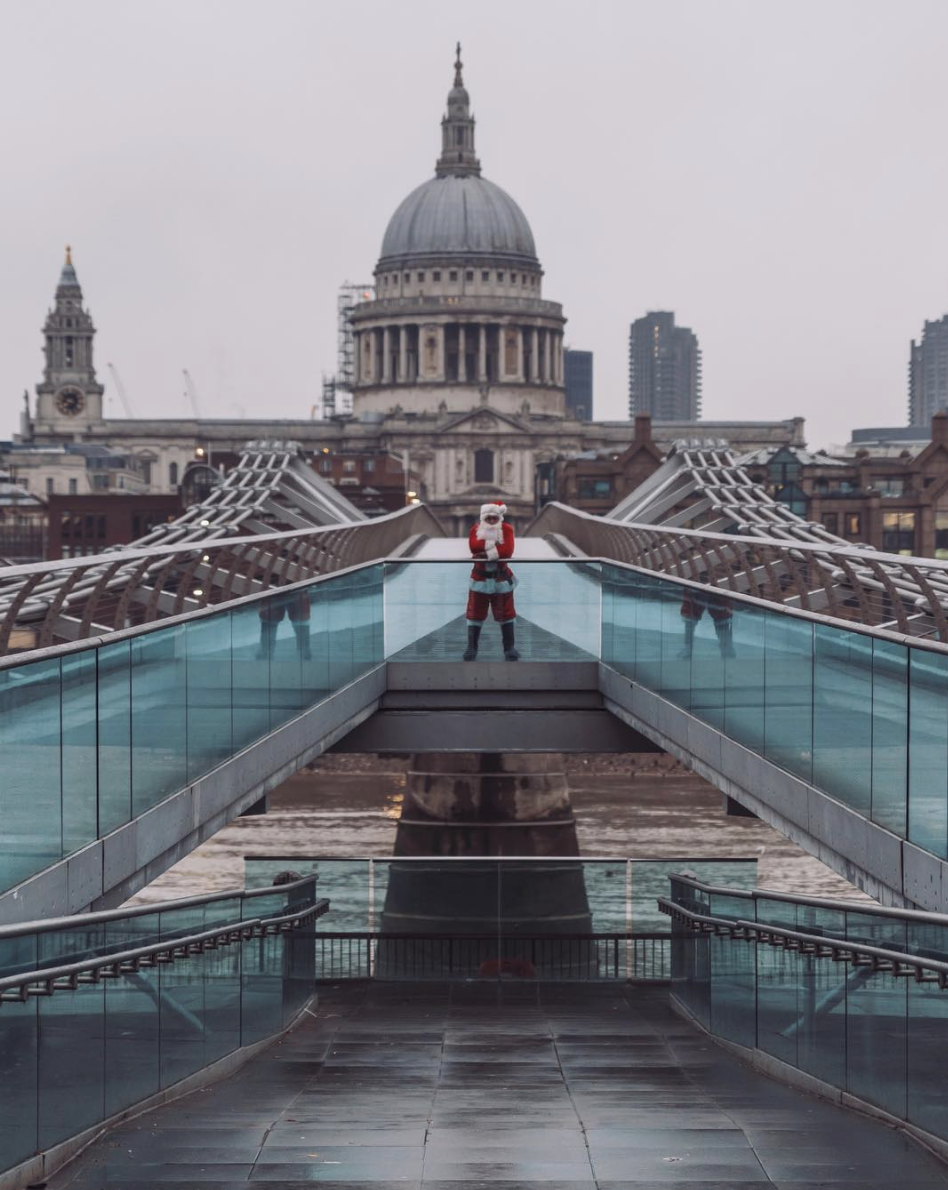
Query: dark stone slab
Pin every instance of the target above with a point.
(545, 1089)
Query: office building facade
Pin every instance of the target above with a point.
(578, 375)
(928, 373)
(664, 369)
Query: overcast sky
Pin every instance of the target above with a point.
(774, 172)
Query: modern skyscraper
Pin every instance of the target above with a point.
(664, 369)
(578, 374)
(928, 373)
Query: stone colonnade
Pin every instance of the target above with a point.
(468, 352)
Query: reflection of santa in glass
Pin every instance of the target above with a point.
(492, 581)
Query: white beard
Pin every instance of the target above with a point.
(490, 534)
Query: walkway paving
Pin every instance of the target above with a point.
(501, 1085)
(533, 643)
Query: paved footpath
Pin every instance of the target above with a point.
(503, 1086)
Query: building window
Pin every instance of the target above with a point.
(69, 354)
(831, 522)
(483, 466)
(408, 276)
(853, 524)
(453, 275)
(421, 276)
(349, 466)
(325, 466)
(595, 489)
(368, 465)
(73, 487)
(469, 275)
(941, 534)
(173, 474)
(898, 532)
(513, 278)
(890, 485)
(485, 275)
(50, 485)
(500, 276)
(436, 275)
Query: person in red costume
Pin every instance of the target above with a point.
(492, 581)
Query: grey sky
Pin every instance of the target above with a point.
(773, 172)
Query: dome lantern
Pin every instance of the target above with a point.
(457, 131)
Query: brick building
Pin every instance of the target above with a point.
(896, 503)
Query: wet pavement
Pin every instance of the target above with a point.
(500, 1084)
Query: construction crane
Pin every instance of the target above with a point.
(120, 389)
(191, 393)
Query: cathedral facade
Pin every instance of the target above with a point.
(458, 366)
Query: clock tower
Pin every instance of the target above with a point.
(69, 398)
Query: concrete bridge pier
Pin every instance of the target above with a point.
(487, 804)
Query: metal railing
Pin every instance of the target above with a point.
(69, 977)
(346, 955)
(820, 946)
(903, 594)
(101, 1012)
(848, 992)
(57, 602)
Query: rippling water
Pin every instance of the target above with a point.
(619, 814)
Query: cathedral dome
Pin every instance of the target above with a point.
(458, 215)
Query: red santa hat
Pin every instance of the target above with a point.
(497, 510)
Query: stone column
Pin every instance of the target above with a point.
(462, 353)
(403, 354)
(547, 360)
(535, 355)
(386, 356)
(442, 353)
(356, 356)
(482, 353)
(520, 354)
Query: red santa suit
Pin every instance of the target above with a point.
(492, 581)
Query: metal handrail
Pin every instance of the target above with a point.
(46, 925)
(69, 977)
(77, 599)
(922, 916)
(808, 567)
(820, 946)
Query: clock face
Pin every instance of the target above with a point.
(70, 401)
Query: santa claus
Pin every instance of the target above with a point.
(492, 581)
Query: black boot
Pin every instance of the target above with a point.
(725, 640)
(473, 636)
(507, 633)
(684, 653)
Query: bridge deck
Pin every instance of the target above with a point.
(552, 1087)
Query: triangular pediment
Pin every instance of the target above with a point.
(484, 420)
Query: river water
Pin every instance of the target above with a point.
(625, 807)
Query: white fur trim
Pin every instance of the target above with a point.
(493, 554)
(496, 509)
